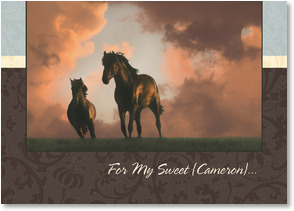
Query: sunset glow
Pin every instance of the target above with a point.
(205, 59)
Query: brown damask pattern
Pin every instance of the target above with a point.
(49, 177)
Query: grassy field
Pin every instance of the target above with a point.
(230, 144)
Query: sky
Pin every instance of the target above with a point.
(204, 56)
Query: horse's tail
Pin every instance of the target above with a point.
(161, 108)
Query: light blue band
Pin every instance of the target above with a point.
(13, 28)
(274, 28)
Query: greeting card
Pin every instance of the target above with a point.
(144, 102)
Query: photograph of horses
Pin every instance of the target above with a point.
(144, 76)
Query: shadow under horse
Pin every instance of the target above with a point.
(133, 92)
(81, 112)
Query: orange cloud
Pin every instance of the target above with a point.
(181, 27)
(215, 96)
(253, 38)
(83, 18)
(177, 65)
(123, 47)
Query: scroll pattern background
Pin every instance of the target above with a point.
(49, 177)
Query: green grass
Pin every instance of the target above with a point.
(230, 144)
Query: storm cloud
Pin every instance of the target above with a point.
(200, 26)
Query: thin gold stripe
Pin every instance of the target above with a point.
(13, 61)
(274, 62)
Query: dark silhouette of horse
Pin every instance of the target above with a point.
(133, 92)
(81, 113)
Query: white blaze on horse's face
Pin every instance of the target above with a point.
(110, 70)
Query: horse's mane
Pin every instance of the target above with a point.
(80, 83)
(122, 58)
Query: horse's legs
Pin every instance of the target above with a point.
(155, 109)
(138, 121)
(80, 132)
(158, 124)
(92, 129)
(122, 122)
(130, 127)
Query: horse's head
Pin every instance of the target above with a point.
(111, 66)
(78, 87)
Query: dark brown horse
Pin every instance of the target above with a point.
(81, 113)
(133, 92)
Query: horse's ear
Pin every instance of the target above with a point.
(104, 53)
(70, 80)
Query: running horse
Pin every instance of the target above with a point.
(133, 92)
(81, 112)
